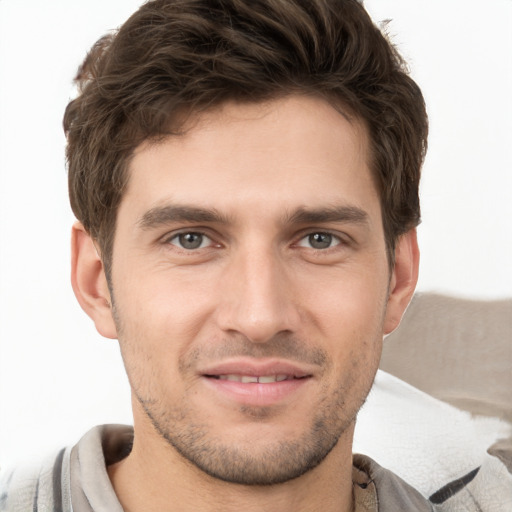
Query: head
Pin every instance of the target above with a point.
(246, 178)
(175, 58)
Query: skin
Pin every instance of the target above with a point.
(285, 271)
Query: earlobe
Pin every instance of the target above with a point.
(89, 281)
(403, 279)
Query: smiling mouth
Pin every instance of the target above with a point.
(255, 379)
(257, 387)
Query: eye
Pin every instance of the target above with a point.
(190, 241)
(319, 240)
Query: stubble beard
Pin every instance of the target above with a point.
(253, 463)
(278, 461)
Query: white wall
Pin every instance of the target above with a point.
(57, 376)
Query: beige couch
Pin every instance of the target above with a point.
(459, 351)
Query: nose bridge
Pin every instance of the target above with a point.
(256, 294)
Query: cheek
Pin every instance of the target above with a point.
(351, 302)
(164, 298)
(158, 320)
(350, 316)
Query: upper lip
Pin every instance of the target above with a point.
(257, 368)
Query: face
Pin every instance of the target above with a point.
(250, 286)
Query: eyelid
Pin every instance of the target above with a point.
(168, 237)
(304, 241)
(205, 241)
(342, 238)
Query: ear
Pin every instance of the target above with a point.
(403, 279)
(89, 281)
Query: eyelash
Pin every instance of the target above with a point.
(305, 238)
(333, 240)
(176, 236)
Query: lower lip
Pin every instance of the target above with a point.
(257, 394)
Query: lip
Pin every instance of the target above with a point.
(257, 367)
(252, 393)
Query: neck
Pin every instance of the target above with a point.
(154, 477)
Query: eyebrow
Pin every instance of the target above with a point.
(162, 215)
(348, 214)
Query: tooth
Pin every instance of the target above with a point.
(248, 379)
(266, 379)
(251, 379)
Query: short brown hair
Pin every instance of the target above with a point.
(176, 56)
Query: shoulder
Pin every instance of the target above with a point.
(40, 486)
(46, 485)
(390, 492)
(486, 488)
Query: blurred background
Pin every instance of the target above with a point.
(58, 377)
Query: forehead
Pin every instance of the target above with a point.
(292, 152)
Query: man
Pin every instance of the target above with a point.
(245, 178)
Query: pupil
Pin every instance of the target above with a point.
(320, 240)
(191, 240)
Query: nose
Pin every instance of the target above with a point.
(256, 297)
